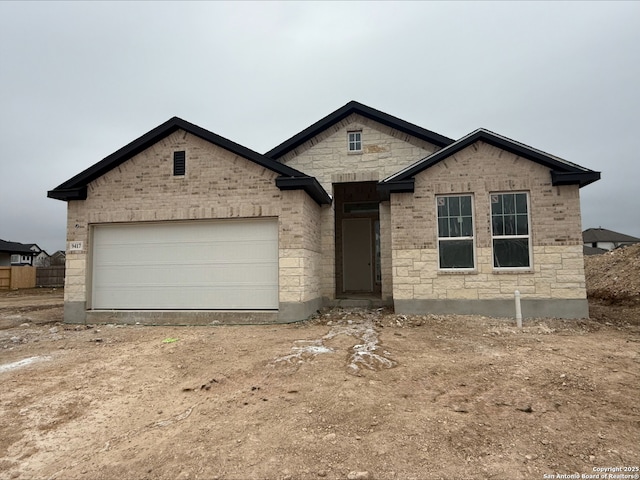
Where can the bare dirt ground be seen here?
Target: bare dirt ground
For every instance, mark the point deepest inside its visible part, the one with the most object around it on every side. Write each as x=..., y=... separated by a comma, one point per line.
x=350, y=394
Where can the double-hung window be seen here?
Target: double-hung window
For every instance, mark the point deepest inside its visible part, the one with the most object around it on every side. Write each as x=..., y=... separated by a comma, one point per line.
x=510, y=230
x=455, y=232
x=354, y=141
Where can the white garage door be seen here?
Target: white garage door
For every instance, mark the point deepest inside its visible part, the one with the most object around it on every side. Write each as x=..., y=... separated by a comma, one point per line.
x=202, y=265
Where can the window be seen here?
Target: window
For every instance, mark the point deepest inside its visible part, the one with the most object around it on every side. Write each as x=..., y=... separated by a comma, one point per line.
x=179, y=163
x=455, y=232
x=15, y=258
x=355, y=141
x=510, y=230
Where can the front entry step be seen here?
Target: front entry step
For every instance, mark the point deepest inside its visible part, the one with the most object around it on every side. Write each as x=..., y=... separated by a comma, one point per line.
x=358, y=303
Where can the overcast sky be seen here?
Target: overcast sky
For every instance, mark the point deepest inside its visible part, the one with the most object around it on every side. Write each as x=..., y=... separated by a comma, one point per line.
x=80, y=80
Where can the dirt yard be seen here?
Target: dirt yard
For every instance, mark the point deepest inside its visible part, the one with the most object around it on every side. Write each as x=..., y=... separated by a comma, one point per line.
x=348, y=395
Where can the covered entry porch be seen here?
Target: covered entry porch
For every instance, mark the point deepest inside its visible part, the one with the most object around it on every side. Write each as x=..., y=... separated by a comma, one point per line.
x=360, y=234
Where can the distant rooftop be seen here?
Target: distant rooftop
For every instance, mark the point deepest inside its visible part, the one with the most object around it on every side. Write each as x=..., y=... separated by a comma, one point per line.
x=15, y=247
x=595, y=235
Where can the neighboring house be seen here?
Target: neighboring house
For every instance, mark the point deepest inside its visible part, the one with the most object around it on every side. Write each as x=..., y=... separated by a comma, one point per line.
x=41, y=259
x=58, y=258
x=14, y=253
x=184, y=226
x=606, y=239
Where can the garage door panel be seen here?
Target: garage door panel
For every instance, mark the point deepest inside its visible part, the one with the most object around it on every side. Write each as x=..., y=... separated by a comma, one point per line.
x=191, y=298
x=186, y=265
x=218, y=275
x=201, y=252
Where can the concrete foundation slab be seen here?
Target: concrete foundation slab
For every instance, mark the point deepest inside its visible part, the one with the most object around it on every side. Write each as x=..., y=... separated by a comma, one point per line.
x=531, y=308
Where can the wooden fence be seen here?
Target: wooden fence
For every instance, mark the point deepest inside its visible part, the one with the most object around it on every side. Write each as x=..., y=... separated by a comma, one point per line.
x=17, y=277
x=50, y=276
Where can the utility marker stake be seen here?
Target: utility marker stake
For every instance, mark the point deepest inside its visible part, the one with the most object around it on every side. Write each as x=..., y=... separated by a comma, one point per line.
x=518, y=309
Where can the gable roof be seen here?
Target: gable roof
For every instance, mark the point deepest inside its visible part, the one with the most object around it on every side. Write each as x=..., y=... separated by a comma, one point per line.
x=595, y=235
x=365, y=111
x=35, y=248
x=16, y=247
x=76, y=187
x=562, y=171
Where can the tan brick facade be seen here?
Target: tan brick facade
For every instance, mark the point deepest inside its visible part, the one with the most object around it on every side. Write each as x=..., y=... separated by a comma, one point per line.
x=217, y=185
x=384, y=152
x=384, y=194
x=326, y=157
x=557, y=270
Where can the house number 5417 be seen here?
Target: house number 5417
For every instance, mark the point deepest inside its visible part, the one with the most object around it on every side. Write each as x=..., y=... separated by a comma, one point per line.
x=76, y=246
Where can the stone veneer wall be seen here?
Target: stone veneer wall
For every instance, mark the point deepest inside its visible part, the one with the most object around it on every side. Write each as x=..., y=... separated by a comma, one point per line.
x=300, y=256
x=386, y=264
x=217, y=185
x=555, y=285
x=384, y=152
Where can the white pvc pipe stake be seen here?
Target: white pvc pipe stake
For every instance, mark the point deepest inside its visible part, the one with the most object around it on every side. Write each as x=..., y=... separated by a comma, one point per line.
x=518, y=309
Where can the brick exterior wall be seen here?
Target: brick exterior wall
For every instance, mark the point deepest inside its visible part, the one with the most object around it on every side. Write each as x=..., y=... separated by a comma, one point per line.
x=386, y=264
x=384, y=152
x=221, y=185
x=300, y=255
x=217, y=185
x=557, y=270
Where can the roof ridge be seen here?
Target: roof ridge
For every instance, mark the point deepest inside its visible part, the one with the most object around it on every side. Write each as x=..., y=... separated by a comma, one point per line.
x=595, y=234
x=560, y=159
x=356, y=107
x=75, y=185
x=563, y=171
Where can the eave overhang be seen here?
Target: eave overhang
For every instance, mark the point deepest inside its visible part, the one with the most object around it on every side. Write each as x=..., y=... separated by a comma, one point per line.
x=401, y=186
x=67, y=194
x=308, y=184
x=573, y=178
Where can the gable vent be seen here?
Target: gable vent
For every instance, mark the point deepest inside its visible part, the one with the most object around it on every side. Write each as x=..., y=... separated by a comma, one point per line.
x=179, y=163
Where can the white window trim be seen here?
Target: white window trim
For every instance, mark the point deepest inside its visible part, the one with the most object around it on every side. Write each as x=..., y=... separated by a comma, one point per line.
x=472, y=238
x=349, y=141
x=512, y=237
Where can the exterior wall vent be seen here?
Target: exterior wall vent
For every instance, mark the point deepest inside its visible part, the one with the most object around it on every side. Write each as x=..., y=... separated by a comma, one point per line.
x=179, y=163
